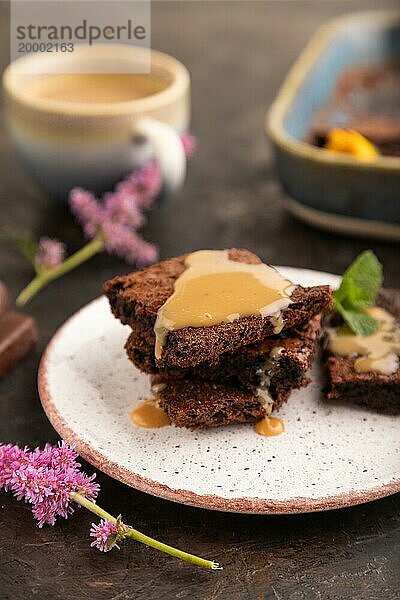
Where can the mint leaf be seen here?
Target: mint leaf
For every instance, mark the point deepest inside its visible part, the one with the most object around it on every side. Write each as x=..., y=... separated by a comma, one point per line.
x=361, y=282
x=359, y=321
x=359, y=287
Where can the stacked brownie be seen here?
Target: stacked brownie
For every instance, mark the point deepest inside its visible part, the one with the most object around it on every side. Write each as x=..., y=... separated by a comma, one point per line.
x=225, y=373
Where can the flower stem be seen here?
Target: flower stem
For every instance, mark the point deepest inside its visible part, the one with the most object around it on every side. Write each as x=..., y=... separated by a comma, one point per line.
x=44, y=277
x=144, y=539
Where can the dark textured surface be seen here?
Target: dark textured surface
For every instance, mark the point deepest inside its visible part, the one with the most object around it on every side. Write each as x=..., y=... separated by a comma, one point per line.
x=238, y=54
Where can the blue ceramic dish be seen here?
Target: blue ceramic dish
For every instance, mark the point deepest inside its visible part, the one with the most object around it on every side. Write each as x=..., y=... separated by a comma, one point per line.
x=327, y=189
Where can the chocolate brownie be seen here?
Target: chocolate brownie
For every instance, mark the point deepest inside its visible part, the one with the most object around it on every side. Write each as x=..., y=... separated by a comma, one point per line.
x=196, y=404
x=292, y=351
x=228, y=393
x=135, y=299
x=375, y=390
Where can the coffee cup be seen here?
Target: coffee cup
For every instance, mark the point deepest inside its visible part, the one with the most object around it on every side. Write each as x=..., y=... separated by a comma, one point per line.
x=91, y=128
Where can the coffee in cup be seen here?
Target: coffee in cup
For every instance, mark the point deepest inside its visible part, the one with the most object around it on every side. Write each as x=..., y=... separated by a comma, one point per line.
x=91, y=129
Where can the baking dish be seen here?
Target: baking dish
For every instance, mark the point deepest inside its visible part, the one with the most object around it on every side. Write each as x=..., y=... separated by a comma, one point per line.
x=336, y=191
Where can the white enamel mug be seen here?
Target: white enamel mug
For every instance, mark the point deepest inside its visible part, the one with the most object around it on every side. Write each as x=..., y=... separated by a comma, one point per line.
x=93, y=145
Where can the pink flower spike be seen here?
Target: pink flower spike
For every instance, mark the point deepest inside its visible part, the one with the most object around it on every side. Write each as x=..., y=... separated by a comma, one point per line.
x=51, y=253
x=11, y=458
x=122, y=207
x=127, y=244
x=144, y=184
x=189, y=143
x=45, y=479
x=87, y=210
x=49, y=480
x=105, y=535
x=119, y=214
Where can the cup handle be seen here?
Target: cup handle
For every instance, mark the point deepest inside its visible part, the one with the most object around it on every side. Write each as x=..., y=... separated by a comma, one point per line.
x=168, y=149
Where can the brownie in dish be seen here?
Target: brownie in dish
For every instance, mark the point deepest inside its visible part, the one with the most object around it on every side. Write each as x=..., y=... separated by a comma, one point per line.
x=366, y=99
x=373, y=389
x=136, y=298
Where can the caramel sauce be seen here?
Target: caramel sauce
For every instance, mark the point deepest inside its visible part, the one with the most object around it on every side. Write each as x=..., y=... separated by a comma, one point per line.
x=269, y=426
x=149, y=415
x=378, y=353
x=264, y=379
x=214, y=289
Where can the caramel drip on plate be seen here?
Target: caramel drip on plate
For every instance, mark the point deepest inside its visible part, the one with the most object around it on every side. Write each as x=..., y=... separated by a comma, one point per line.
x=214, y=289
x=269, y=426
x=378, y=353
x=149, y=415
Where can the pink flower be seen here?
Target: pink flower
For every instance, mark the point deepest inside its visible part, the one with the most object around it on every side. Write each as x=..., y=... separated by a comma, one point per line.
x=87, y=211
x=127, y=244
x=117, y=217
x=189, y=143
x=11, y=457
x=144, y=184
x=45, y=479
x=119, y=214
x=123, y=208
x=105, y=535
x=49, y=479
x=51, y=253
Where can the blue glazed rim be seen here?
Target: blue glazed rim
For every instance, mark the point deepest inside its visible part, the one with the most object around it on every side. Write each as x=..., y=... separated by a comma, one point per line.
x=275, y=117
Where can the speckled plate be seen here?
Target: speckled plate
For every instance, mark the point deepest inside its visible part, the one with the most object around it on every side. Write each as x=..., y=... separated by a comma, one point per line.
x=330, y=455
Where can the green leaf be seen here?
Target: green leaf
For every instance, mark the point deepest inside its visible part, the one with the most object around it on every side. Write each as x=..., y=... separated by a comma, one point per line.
x=25, y=245
x=112, y=539
x=359, y=321
x=359, y=287
x=119, y=525
x=361, y=282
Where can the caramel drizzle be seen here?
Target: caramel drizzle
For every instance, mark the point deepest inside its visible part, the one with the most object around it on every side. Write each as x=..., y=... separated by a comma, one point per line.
x=214, y=289
x=378, y=353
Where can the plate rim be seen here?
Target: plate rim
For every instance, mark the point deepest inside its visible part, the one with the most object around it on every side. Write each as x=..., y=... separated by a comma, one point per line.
x=247, y=505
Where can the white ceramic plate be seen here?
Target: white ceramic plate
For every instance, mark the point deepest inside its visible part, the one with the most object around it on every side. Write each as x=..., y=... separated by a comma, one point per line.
x=330, y=455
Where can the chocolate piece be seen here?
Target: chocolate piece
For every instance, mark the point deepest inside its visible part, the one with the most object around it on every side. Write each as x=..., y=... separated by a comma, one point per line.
x=135, y=299
x=4, y=299
x=18, y=334
x=375, y=390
